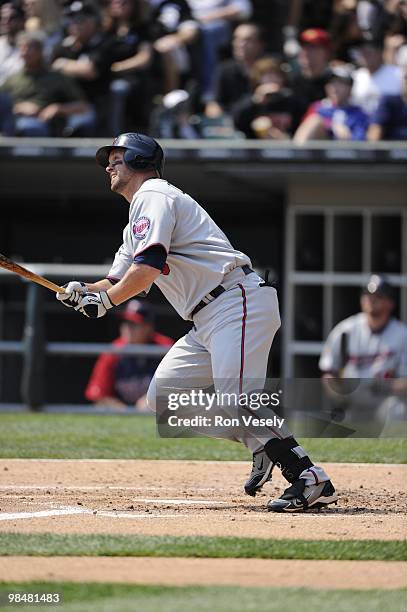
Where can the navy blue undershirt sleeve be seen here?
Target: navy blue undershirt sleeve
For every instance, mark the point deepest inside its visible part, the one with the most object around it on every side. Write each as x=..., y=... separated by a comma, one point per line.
x=155, y=256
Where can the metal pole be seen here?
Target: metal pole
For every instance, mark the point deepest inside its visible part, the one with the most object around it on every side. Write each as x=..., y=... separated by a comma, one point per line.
x=32, y=380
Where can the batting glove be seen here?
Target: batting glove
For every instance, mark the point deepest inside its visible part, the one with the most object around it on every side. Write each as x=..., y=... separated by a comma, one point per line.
x=73, y=291
x=94, y=305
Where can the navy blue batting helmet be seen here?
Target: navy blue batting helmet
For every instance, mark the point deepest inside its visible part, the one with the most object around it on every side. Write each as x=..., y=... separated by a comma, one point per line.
x=141, y=152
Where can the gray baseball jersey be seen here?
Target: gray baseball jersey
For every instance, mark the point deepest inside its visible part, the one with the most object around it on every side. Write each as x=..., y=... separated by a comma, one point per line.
x=228, y=345
x=198, y=252
x=369, y=355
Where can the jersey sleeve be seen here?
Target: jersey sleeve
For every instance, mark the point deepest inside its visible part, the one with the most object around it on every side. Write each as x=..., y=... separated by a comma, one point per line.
x=152, y=222
x=122, y=259
x=154, y=256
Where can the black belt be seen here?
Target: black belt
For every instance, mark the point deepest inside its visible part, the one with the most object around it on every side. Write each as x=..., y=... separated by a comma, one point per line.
x=216, y=293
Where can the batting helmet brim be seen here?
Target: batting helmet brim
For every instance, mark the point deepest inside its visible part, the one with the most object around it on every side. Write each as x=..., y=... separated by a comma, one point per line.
x=102, y=155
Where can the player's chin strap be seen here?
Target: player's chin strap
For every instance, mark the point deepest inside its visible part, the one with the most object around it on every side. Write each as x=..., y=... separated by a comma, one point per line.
x=268, y=283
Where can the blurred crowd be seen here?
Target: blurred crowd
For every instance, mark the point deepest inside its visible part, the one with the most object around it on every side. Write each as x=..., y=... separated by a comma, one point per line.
x=281, y=69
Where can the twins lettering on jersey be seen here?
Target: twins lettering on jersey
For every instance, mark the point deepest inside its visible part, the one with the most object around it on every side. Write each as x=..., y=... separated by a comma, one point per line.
x=141, y=227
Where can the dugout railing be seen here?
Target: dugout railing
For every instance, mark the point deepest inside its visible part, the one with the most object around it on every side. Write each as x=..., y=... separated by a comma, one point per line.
x=34, y=347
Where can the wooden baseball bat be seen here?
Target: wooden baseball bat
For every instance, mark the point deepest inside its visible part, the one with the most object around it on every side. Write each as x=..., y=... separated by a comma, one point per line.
x=11, y=265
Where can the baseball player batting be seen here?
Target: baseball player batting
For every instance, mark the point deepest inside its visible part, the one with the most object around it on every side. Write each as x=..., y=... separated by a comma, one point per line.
x=171, y=241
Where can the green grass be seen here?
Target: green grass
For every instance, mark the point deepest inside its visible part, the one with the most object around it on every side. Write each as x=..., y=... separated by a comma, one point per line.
x=126, y=598
x=199, y=546
x=68, y=436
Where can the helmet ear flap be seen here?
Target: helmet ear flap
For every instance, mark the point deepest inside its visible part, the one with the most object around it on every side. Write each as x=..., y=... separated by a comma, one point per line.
x=134, y=160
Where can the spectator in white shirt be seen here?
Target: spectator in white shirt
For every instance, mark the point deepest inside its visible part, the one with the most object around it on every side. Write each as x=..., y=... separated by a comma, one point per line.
x=11, y=23
x=374, y=78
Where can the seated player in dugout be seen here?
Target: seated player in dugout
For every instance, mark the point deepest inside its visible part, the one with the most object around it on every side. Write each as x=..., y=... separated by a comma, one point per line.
x=371, y=345
x=122, y=380
x=171, y=241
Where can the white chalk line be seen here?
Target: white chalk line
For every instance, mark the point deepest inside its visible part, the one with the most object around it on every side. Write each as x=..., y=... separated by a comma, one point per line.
x=11, y=516
x=68, y=511
x=65, y=511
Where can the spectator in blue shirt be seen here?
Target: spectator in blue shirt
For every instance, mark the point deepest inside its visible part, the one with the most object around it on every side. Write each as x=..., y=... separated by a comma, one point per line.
x=389, y=121
x=334, y=117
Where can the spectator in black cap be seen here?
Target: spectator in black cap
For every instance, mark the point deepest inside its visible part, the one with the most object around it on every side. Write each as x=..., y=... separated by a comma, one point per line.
x=120, y=380
x=86, y=54
x=334, y=117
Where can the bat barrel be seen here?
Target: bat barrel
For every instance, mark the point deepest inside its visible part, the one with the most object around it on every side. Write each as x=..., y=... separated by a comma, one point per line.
x=16, y=268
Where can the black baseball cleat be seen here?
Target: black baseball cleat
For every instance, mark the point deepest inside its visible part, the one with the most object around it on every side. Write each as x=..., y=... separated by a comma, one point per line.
x=260, y=474
x=299, y=497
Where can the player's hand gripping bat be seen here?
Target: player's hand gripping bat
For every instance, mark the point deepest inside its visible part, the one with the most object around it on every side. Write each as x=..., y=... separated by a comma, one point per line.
x=11, y=265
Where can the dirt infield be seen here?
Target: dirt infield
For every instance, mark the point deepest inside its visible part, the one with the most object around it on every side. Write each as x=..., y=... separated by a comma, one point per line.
x=225, y=572
x=196, y=498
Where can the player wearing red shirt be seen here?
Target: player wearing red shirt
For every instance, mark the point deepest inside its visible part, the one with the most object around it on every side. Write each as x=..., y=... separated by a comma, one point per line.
x=120, y=380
